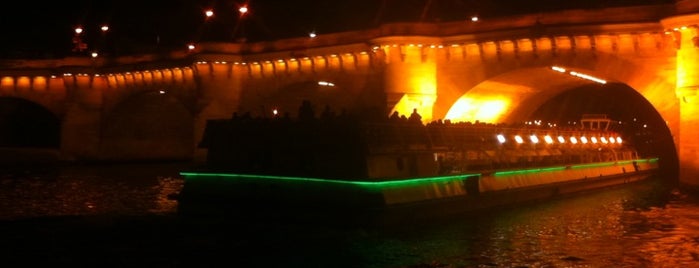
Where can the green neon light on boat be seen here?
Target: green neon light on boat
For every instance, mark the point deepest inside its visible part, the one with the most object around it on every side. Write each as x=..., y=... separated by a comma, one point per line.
x=403, y=182
x=548, y=169
x=524, y=171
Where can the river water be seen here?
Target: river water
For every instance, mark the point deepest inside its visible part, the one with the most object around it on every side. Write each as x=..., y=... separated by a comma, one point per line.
x=121, y=216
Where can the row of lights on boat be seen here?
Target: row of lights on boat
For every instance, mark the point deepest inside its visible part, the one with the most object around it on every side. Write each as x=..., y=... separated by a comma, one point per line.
x=561, y=140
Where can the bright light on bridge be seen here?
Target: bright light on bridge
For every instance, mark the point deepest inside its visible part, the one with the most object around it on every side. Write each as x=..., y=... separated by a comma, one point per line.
x=588, y=77
x=326, y=84
x=579, y=75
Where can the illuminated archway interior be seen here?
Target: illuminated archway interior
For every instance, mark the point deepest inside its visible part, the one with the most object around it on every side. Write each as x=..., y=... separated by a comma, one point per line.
x=561, y=97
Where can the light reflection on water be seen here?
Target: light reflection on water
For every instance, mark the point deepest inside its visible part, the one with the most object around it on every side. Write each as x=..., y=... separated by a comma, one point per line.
x=632, y=226
x=90, y=190
x=637, y=226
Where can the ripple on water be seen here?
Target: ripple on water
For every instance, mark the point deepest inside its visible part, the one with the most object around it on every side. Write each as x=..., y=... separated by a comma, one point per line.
x=635, y=226
x=135, y=190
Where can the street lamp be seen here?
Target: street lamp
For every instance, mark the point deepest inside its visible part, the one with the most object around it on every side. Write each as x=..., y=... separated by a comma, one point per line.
x=240, y=27
x=243, y=10
x=79, y=44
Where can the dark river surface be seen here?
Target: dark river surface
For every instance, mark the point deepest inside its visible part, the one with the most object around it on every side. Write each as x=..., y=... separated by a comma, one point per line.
x=121, y=216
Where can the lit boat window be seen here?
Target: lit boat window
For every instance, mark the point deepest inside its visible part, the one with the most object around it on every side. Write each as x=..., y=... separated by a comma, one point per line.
x=548, y=139
x=501, y=138
x=561, y=139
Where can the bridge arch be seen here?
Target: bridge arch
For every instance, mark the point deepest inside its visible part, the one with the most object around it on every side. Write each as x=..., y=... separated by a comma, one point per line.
x=27, y=124
x=560, y=96
x=148, y=125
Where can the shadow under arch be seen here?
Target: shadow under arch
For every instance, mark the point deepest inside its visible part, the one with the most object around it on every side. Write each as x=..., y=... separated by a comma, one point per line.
x=25, y=124
x=149, y=125
x=635, y=118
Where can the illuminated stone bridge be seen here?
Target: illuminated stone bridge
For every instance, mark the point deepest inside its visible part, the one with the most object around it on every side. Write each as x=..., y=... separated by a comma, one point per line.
x=499, y=70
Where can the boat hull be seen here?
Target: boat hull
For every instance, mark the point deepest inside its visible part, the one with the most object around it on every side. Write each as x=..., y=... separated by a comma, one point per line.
x=396, y=200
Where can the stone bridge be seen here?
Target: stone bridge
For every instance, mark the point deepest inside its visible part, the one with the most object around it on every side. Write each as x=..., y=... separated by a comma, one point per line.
x=155, y=107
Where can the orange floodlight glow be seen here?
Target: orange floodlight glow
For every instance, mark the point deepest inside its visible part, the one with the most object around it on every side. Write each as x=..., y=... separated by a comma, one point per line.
x=470, y=110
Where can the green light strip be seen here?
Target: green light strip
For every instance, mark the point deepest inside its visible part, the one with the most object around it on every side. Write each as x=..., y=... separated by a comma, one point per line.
x=405, y=182
x=523, y=171
x=359, y=183
x=603, y=164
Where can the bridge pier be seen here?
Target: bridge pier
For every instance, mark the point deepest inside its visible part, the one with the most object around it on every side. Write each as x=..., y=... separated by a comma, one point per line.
x=411, y=77
x=685, y=31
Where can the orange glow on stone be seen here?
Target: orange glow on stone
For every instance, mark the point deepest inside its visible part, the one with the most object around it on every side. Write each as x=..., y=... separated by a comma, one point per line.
x=470, y=110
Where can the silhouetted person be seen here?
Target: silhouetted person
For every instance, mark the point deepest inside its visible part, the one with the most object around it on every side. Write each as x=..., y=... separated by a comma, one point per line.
x=395, y=117
x=415, y=117
x=306, y=111
x=327, y=113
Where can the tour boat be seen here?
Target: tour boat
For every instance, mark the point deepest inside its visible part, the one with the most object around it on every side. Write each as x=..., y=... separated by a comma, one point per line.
x=346, y=166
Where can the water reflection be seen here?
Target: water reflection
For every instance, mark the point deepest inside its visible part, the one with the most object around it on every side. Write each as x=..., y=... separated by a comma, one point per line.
x=630, y=227
x=89, y=190
x=643, y=225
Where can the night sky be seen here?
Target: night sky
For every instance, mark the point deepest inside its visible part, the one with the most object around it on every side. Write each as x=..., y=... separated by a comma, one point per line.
x=45, y=30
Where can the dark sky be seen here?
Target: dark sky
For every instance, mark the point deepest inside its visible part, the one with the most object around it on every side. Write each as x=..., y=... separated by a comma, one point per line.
x=44, y=30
